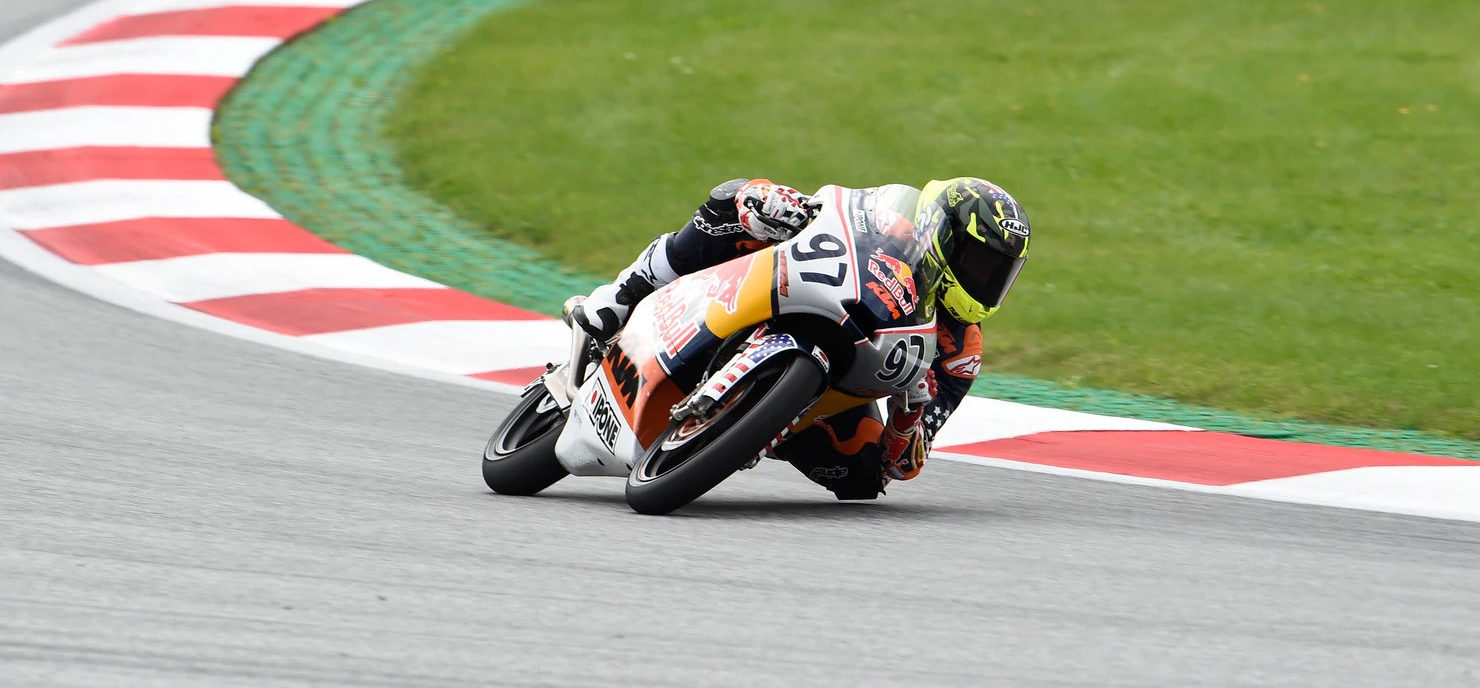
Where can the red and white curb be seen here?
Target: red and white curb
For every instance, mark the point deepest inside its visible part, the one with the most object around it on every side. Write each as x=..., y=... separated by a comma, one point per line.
x=108, y=184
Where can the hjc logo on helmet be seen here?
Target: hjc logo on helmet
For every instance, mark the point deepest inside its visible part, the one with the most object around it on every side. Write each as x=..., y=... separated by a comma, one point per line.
x=1015, y=226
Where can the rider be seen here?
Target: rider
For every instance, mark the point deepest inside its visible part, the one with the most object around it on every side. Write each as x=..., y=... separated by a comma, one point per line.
x=980, y=246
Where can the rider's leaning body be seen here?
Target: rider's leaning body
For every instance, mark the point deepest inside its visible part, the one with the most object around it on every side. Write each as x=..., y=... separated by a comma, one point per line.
x=980, y=243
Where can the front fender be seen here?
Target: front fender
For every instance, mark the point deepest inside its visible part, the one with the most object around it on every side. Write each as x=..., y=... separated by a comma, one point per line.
x=759, y=349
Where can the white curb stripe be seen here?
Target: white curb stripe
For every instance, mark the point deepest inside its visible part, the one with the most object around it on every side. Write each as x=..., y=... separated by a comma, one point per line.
x=87, y=280
x=456, y=346
x=980, y=420
x=78, y=203
x=219, y=275
x=1447, y=492
x=149, y=127
x=184, y=55
x=1436, y=491
x=152, y=6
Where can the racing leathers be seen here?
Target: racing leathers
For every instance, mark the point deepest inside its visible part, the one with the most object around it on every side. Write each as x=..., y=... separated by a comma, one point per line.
x=854, y=453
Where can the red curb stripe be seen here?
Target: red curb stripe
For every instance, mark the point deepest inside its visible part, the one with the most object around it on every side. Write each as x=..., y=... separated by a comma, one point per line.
x=512, y=376
x=155, y=238
x=67, y=165
x=246, y=20
x=318, y=311
x=1202, y=458
x=126, y=90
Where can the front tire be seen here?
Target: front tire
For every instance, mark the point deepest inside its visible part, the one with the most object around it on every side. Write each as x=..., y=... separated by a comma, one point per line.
x=677, y=470
x=519, y=458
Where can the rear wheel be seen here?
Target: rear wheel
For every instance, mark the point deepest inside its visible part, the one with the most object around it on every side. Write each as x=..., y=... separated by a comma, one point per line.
x=520, y=456
x=692, y=457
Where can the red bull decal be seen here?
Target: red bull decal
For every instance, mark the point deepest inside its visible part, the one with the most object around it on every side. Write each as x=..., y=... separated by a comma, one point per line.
x=724, y=284
x=889, y=300
x=675, y=328
x=896, y=276
x=679, y=310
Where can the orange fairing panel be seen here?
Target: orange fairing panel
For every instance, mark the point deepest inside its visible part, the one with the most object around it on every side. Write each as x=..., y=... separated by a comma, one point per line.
x=643, y=392
x=654, y=403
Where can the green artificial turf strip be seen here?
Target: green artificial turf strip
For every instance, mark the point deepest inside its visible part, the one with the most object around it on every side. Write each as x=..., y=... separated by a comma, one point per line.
x=1262, y=207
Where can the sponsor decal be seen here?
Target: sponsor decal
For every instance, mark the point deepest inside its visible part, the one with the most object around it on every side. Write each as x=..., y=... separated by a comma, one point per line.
x=624, y=377
x=885, y=298
x=951, y=347
x=679, y=309
x=965, y=366
x=1017, y=227
x=604, y=419
x=828, y=473
x=718, y=229
x=724, y=284
x=783, y=280
x=944, y=340
x=675, y=329
x=821, y=357
x=896, y=276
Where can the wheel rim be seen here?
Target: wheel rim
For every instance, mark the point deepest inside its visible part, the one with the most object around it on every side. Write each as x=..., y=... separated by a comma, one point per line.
x=677, y=444
x=527, y=425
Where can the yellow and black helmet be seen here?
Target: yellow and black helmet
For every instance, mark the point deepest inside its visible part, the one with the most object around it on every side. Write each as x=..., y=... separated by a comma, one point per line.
x=979, y=243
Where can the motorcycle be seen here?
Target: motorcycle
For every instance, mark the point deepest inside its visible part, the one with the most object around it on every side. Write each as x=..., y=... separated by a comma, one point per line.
x=716, y=370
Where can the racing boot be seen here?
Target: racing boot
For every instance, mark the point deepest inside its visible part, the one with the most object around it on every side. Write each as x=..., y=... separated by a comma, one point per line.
x=841, y=453
x=605, y=311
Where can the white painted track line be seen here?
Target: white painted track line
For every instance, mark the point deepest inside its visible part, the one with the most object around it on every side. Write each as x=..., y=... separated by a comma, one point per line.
x=1451, y=492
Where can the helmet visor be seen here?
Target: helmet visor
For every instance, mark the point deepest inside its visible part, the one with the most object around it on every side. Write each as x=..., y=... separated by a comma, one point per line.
x=985, y=273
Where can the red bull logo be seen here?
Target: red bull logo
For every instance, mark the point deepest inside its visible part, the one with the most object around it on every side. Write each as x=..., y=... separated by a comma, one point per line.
x=896, y=276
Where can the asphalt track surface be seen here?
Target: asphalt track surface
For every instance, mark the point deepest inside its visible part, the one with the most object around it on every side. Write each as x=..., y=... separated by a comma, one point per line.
x=182, y=508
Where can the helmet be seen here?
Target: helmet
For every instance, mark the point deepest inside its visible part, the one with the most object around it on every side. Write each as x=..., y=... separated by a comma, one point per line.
x=978, y=238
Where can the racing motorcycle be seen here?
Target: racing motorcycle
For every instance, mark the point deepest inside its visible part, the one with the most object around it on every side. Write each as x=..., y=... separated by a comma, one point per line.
x=717, y=369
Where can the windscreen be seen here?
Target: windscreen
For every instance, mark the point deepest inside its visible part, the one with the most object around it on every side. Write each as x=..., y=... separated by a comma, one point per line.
x=892, y=212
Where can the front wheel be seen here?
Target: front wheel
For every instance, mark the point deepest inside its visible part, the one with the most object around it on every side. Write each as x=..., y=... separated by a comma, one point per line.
x=692, y=457
x=520, y=456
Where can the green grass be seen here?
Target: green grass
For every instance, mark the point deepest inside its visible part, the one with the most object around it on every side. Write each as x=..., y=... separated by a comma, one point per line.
x=1271, y=208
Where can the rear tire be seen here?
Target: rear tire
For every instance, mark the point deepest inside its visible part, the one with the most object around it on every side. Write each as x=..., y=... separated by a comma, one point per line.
x=752, y=414
x=520, y=456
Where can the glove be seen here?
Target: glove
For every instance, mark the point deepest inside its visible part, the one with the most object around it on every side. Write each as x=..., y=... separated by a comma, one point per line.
x=772, y=212
x=904, y=434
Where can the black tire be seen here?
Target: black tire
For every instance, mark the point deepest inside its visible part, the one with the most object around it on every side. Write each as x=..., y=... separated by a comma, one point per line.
x=752, y=414
x=520, y=456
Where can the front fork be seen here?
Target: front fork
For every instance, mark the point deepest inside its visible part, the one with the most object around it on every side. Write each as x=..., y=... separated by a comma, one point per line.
x=760, y=346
